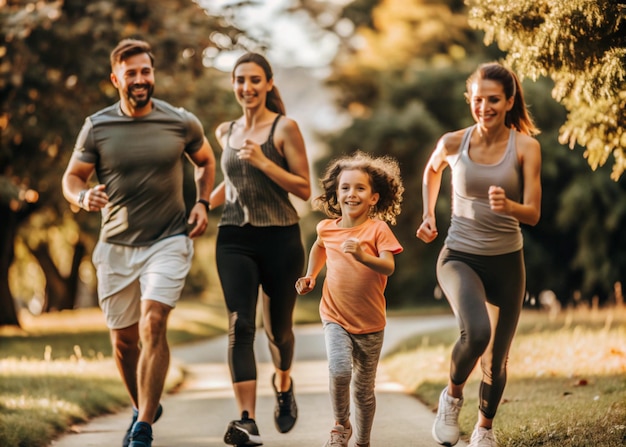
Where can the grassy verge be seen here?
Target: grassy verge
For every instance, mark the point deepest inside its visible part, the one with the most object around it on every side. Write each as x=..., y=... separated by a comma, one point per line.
x=566, y=379
x=58, y=371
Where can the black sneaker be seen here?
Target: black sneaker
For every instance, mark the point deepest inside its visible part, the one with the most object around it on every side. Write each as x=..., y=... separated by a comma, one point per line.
x=286, y=410
x=126, y=441
x=242, y=432
x=141, y=435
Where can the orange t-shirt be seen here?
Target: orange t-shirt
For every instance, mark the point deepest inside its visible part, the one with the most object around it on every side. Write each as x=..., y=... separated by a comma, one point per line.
x=353, y=294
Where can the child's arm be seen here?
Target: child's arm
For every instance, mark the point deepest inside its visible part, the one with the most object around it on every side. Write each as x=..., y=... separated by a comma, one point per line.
x=383, y=263
x=317, y=260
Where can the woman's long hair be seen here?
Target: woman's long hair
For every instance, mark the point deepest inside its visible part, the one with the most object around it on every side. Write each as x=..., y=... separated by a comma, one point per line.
x=273, y=101
x=518, y=117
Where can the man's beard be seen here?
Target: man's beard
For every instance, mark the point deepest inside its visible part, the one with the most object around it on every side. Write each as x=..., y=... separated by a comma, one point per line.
x=139, y=103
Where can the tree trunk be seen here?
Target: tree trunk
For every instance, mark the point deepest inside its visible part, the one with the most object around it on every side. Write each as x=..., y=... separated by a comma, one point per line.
x=60, y=291
x=8, y=229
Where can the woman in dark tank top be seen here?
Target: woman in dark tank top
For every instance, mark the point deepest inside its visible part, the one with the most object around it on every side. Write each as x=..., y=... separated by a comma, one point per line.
x=258, y=241
x=495, y=168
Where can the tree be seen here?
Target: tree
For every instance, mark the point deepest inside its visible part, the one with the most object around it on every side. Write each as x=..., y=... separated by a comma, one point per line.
x=54, y=71
x=401, y=79
x=581, y=45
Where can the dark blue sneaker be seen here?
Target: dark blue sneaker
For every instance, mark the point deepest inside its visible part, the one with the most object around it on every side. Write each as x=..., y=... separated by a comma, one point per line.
x=126, y=441
x=286, y=410
x=141, y=435
x=243, y=432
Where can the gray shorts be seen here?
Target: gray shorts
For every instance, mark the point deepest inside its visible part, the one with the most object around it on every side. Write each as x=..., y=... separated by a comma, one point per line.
x=127, y=275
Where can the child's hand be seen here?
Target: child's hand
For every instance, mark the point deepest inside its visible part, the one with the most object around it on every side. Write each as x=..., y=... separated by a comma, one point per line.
x=353, y=246
x=305, y=284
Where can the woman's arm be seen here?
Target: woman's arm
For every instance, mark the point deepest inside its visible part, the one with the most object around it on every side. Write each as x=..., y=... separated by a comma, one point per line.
x=529, y=211
x=289, y=141
x=431, y=184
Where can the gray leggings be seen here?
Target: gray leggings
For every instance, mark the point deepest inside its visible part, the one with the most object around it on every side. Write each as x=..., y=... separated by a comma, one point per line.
x=486, y=294
x=353, y=358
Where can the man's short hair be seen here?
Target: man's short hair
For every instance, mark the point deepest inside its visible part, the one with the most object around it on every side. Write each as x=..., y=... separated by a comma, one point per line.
x=128, y=48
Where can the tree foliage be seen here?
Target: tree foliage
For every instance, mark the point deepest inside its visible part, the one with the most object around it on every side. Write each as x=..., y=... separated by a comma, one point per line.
x=54, y=71
x=401, y=80
x=581, y=45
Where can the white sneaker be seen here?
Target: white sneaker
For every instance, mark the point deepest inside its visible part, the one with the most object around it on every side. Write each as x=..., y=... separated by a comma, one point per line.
x=446, y=426
x=339, y=436
x=483, y=437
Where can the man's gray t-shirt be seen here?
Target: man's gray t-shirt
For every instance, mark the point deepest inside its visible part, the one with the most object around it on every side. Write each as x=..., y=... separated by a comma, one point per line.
x=140, y=160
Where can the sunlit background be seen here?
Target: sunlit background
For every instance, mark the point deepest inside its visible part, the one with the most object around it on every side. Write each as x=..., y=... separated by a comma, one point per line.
x=383, y=76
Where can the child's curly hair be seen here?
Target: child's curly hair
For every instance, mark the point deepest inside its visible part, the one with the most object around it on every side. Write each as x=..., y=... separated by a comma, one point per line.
x=384, y=174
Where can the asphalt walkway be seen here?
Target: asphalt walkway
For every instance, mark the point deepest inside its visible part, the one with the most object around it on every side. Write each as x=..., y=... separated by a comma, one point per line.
x=197, y=414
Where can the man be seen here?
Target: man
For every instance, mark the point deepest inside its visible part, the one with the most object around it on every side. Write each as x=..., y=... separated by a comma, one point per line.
x=143, y=255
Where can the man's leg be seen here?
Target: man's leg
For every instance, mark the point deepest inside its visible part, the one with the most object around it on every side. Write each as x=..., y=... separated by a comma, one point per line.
x=125, y=344
x=154, y=358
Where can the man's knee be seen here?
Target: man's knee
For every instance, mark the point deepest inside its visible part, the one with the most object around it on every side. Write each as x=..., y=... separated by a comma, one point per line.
x=125, y=341
x=153, y=321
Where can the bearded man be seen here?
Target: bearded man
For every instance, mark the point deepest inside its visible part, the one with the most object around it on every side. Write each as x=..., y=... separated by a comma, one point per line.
x=136, y=147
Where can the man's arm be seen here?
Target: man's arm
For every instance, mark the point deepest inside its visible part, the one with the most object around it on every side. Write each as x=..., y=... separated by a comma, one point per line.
x=75, y=190
x=204, y=175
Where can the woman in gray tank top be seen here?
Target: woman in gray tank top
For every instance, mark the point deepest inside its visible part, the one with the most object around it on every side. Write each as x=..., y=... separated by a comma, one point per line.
x=496, y=186
x=258, y=241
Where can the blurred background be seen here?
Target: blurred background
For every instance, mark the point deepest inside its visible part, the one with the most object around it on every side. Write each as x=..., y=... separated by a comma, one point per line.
x=382, y=76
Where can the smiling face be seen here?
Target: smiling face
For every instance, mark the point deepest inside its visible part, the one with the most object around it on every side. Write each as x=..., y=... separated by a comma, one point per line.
x=250, y=85
x=355, y=196
x=489, y=103
x=134, y=79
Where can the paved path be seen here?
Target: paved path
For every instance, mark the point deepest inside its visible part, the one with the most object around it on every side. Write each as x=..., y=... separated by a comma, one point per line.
x=198, y=413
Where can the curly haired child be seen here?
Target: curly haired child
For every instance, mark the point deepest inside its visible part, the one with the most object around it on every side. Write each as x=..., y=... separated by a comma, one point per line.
x=362, y=195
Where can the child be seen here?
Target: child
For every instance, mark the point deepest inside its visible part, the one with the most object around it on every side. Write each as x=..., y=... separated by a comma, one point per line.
x=357, y=246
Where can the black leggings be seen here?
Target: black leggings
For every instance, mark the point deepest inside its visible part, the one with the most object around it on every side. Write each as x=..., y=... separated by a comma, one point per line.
x=486, y=294
x=248, y=257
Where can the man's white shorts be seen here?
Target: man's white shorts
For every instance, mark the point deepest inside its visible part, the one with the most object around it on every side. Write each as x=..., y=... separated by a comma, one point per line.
x=127, y=275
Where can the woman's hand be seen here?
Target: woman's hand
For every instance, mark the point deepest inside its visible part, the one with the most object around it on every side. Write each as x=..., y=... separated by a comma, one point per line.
x=427, y=231
x=498, y=201
x=252, y=153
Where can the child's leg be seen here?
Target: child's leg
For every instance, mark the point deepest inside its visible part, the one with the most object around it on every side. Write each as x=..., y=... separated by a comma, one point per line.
x=366, y=354
x=339, y=352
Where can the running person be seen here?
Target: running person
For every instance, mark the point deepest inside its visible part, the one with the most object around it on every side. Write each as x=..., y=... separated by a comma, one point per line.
x=361, y=194
x=258, y=242
x=137, y=148
x=496, y=186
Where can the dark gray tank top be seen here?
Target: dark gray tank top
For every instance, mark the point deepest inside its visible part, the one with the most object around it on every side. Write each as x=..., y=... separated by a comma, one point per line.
x=251, y=196
x=474, y=228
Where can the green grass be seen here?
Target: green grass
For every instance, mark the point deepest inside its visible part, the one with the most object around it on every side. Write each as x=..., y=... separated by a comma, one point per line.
x=40, y=399
x=566, y=387
x=58, y=370
x=566, y=380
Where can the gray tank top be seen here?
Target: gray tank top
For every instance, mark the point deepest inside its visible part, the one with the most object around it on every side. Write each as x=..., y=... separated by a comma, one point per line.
x=251, y=196
x=474, y=228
